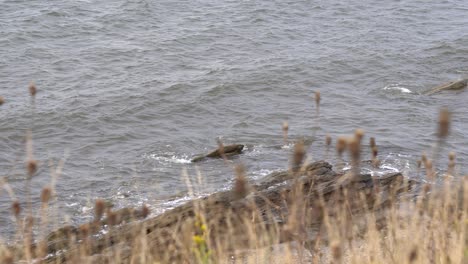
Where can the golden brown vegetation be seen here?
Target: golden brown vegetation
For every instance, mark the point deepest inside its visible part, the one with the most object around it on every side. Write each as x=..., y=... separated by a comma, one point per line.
x=311, y=220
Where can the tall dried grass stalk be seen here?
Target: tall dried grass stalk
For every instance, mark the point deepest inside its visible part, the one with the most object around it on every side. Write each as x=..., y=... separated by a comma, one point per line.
x=221, y=149
x=443, y=131
x=241, y=188
x=451, y=164
x=285, y=132
x=354, y=146
x=328, y=142
x=317, y=101
x=298, y=156
x=444, y=123
x=374, y=153
x=341, y=146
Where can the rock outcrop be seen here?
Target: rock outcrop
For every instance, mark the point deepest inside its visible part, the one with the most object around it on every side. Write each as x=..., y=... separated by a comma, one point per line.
x=283, y=206
x=221, y=152
x=456, y=85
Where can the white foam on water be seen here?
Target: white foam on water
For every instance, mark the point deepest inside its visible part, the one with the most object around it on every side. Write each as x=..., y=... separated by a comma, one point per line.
x=288, y=146
x=170, y=159
x=397, y=87
x=167, y=205
x=391, y=163
x=261, y=173
x=86, y=209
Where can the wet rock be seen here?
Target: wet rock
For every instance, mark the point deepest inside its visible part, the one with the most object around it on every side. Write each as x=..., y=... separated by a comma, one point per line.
x=456, y=85
x=227, y=151
x=268, y=208
x=68, y=235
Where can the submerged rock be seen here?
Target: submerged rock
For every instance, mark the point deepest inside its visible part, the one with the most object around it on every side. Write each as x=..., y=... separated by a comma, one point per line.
x=228, y=150
x=456, y=85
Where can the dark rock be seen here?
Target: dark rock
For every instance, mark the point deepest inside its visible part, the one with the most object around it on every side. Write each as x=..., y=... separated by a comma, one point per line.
x=64, y=237
x=269, y=208
x=456, y=85
x=227, y=151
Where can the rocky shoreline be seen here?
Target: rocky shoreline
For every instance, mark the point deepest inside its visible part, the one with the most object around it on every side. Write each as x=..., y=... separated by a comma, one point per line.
x=284, y=206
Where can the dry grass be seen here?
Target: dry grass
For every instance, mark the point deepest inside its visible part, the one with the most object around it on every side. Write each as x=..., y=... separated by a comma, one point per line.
x=425, y=225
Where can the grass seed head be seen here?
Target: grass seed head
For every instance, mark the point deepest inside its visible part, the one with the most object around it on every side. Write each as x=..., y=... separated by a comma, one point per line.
x=359, y=134
x=111, y=218
x=285, y=132
x=32, y=89
x=444, y=123
x=84, y=230
x=341, y=145
x=429, y=171
x=426, y=188
x=99, y=208
x=429, y=165
x=31, y=167
x=46, y=194
x=452, y=156
x=328, y=140
x=16, y=208
x=145, y=211
x=298, y=156
x=451, y=164
x=336, y=250
x=7, y=257
x=317, y=98
x=413, y=255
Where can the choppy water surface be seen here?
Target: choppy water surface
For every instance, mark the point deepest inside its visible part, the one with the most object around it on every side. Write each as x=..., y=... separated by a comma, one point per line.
x=130, y=90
